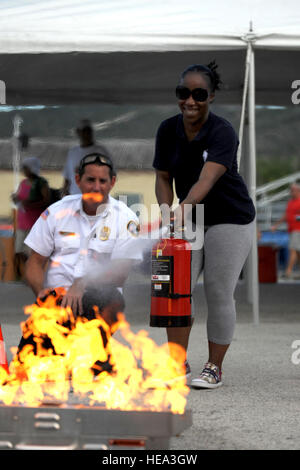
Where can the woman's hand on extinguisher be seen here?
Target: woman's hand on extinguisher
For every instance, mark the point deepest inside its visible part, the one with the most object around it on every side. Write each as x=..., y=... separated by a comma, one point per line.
x=177, y=217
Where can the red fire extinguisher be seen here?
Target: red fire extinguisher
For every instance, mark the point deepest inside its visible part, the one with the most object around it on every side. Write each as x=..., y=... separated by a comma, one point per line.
x=171, y=295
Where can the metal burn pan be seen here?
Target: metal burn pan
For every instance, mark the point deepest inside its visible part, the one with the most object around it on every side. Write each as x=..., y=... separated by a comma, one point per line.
x=87, y=428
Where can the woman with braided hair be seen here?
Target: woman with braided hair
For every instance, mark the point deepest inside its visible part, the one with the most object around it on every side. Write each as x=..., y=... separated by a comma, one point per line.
x=197, y=150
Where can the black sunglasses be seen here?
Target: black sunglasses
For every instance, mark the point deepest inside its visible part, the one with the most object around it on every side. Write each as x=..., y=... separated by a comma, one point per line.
x=198, y=94
x=95, y=158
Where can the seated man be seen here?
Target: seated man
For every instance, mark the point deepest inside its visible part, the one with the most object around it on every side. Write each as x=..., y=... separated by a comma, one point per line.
x=82, y=240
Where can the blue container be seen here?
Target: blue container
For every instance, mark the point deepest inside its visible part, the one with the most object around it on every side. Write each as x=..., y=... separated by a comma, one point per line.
x=279, y=239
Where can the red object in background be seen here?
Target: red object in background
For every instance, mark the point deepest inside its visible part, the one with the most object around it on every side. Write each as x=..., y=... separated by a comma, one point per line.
x=3, y=358
x=267, y=264
x=292, y=214
x=171, y=283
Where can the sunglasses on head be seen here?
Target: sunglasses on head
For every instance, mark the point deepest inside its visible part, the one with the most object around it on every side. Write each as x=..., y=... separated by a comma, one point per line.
x=198, y=94
x=95, y=158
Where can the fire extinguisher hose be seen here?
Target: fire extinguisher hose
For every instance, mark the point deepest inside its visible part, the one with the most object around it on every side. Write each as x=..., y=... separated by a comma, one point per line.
x=178, y=296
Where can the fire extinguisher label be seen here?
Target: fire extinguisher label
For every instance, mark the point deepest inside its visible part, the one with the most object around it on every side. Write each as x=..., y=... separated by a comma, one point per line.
x=162, y=277
x=162, y=269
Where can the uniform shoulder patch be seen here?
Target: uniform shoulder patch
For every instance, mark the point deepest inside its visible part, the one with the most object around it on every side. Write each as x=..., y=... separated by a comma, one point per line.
x=45, y=214
x=133, y=228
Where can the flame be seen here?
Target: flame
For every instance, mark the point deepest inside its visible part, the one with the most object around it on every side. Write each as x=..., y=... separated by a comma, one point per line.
x=83, y=356
x=95, y=197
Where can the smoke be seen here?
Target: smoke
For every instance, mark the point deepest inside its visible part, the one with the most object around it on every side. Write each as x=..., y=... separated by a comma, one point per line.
x=113, y=270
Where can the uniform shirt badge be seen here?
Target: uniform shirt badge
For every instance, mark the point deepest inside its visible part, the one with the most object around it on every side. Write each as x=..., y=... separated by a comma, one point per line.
x=104, y=233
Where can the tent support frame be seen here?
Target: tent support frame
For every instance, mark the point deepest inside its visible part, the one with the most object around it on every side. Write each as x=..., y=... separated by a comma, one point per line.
x=251, y=266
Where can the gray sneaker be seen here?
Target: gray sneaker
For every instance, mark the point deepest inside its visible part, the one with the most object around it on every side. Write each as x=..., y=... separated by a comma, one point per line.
x=210, y=377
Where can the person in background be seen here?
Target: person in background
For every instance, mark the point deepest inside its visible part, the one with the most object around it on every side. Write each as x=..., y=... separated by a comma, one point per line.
x=31, y=198
x=86, y=146
x=292, y=219
x=197, y=150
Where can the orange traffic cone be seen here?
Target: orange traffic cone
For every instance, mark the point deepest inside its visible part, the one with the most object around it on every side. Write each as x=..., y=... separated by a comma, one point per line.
x=3, y=358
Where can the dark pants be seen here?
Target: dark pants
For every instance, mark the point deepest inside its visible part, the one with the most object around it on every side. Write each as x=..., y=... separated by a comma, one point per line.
x=108, y=302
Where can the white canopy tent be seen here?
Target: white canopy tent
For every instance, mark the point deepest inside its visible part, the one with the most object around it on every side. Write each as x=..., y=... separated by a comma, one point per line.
x=67, y=50
x=132, y=51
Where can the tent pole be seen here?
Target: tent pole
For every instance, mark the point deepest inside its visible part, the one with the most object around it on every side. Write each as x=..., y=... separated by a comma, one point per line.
x=243, y=110
x=17, y=122
x=253, y=284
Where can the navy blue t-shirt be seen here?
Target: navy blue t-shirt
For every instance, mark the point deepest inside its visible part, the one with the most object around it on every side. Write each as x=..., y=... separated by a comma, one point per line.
x=228, y=201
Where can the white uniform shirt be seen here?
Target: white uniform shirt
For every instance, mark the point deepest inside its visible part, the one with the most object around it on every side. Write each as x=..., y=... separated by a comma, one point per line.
x=63, y=233
x=74, y=156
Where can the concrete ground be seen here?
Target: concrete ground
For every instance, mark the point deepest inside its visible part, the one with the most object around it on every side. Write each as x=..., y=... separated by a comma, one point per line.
x=258, y=407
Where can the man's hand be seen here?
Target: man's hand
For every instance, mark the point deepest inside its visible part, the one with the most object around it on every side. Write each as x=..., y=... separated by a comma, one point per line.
x=73, y=297
x=43, y=293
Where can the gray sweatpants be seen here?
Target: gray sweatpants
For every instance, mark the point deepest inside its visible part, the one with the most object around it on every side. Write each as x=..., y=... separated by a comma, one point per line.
x=226, y=247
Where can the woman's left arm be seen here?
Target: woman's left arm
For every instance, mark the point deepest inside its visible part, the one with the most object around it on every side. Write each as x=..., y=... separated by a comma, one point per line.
x=209, y=175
